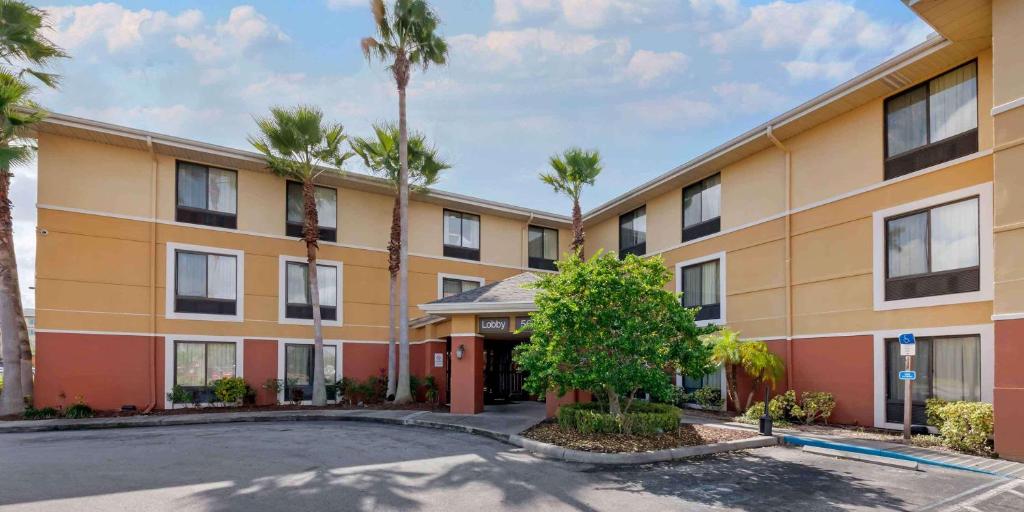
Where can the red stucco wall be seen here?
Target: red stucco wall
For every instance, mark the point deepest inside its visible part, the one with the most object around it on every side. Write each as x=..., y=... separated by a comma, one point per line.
x=260, y=364
x=1008, y=396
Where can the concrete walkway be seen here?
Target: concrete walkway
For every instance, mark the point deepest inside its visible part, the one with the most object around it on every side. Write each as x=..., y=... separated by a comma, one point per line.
x=1000, y=467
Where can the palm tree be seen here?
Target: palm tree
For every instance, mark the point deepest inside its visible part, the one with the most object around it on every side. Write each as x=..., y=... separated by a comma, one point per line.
x=753, y=357
x=23, y=51
x=299, y=145
x=405, y=37
x=574, y=168
x=380, y=154
x=17, y=114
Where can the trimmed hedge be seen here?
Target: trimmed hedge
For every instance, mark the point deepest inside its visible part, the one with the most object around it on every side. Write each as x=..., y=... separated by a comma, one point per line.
x=964, y=426
x=642, y=419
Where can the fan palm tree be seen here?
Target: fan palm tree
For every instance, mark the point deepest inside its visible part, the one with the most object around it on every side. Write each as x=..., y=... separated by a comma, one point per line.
x=405, y=38
x=24, y=50
x=299, y=145
x=380, y=155
x=572, y=169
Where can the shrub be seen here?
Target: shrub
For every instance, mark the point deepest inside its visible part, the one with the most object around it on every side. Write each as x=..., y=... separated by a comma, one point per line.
x=31, y=413
x=79, y=410
x=641, y=419
x=273, y=386
x=432, y=390
x=816, y=405
x=178, y=395
x=780, y=409
x=708, y=398
x=965, y=426
x=229, y=390
x=415, y=383
x=932, y=410
x=298, y=395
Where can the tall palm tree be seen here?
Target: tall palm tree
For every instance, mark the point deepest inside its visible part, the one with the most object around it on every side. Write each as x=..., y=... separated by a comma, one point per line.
x=405, y=37
x=380, y=154
x=299, y=145
x=17, y=114
x=572, y=169
x=24, y=50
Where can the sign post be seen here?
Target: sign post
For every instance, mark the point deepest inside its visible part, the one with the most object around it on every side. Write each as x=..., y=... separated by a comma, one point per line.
x=908, y=348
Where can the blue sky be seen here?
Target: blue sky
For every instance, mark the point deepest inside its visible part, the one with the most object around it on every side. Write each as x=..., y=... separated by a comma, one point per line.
x=650, y=83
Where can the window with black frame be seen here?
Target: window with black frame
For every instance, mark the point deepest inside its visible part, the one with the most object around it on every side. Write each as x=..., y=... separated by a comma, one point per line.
x=461, y=235
x=452, y=286
x=297, y=298
x=326, y=210
x=198, y=364
x=934, y=251
x=543, y=247
x=633, y=233
x=298, y=364
x=701, y=208
x=948, y=368
x=205, y=283
x=933, y=122
x=701, y=289
x=206, y=195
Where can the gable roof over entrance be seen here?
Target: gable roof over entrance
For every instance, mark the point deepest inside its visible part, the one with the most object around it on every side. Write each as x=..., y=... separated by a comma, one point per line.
x=507, y=296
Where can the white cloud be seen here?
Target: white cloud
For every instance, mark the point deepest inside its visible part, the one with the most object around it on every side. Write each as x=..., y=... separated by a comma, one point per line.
x=833, y=70
x=746, y=98
x=512, y=11
x=176, y=118
x=584, y=14
x=727, y=8
x=118, y=27
x=498, y=49
x=244, y=28
x=337, y=5
x=647, y=66
x=677, y=111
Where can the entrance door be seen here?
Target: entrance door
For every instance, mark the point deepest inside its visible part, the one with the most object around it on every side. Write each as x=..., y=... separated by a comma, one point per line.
x=502, y=379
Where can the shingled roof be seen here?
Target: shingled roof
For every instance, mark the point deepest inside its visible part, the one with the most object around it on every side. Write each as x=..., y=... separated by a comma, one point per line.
x=510, y=294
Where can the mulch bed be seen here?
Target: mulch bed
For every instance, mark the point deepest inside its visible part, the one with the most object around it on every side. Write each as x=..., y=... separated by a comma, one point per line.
x=686, y=435
x=213, y=409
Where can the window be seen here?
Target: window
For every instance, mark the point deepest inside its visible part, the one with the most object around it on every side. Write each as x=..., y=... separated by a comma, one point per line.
x=326, y=210
x=712, y=380
x=297, y=298
x=197, y=365
x=701, y=287
x=543, y=247
x=633, y=233
x=205, y=283
x=206, y=195
x=934, y=122
x=935, y=251
x=701, y=207
x=298, y=366
x=461, y=235
x=948, y=368
x=454, y=286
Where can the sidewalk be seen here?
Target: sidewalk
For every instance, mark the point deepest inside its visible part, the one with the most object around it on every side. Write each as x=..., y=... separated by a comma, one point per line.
x=1000, y=467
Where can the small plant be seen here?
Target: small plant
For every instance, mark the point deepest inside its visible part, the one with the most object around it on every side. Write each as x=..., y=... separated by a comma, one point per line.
x=197, y=396
x=414, y=387
x=274, y=387
x=965, y=426
x=708, y=398
x=298, y=395
x=815, y=405
x=432, y=391
x=178, y=395
x=79, y=409
x=229, y=390
x=932, y=410
x=31, y=413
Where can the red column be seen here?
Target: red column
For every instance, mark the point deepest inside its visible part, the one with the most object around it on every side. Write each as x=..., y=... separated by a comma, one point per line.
x=467, y=375
x=1008, y=396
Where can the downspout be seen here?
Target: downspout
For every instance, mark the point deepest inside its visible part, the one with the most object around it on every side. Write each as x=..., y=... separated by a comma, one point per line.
x=152, y=277
x=788, y=270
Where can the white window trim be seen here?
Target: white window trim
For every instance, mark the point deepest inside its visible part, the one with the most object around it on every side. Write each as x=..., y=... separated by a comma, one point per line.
x=299, y=341
x=282, y=291
x=985, y=331
x=985, y=257
x=169, y=370
x=720, y=256
x=170, y=283
x=441, y=277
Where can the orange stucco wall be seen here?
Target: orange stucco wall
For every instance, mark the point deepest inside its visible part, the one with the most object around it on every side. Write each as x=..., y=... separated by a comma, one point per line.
x=843, y=366
x=1008, y=394
x=468, y=376
x=260, y=358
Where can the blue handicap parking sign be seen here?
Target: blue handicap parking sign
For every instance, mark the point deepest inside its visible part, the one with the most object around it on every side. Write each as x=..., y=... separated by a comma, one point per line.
x=908, y=375
x=907, y=339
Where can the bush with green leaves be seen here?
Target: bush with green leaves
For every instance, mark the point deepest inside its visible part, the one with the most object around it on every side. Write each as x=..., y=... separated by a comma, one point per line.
x=964, y=426
x=609, y=325
x=432, y=391
x=79, y=410
x=31, y=413
x=933, y=411
x=708, y=398
x=178, y=395
x=229, y=390
x=640, y=419
x=815, y=405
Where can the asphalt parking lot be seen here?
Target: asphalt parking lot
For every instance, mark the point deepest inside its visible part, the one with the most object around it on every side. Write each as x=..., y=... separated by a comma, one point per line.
x=356, y=466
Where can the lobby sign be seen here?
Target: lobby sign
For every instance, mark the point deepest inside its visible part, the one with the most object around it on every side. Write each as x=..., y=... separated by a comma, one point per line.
x=494, y=324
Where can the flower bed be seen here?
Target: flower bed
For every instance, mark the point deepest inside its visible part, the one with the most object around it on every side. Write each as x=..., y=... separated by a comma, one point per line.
x=684, y=435
x=418, y=406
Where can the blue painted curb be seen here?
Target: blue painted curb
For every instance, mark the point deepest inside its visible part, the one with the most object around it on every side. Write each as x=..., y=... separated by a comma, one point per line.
x=804, y=441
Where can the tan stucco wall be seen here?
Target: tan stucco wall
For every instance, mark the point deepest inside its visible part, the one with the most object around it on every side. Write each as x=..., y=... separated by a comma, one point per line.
x=753, y=188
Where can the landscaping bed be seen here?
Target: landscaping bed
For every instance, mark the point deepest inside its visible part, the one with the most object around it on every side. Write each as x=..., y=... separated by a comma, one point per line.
x=214, y=409
x=686, y=435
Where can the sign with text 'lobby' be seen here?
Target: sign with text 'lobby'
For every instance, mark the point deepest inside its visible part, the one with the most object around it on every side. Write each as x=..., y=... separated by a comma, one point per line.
x=494, y=324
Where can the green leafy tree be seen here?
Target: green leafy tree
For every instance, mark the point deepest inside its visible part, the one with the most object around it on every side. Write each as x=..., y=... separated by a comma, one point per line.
x=406, y=37
x=298, y=144
x=24, y=50
x=753, y=357
x=610, y=326
x=573, y=169
x=380, y=155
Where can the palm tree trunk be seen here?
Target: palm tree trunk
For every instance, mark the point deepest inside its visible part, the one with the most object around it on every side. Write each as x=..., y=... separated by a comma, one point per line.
x=577, y=229
x=12, y=399
x=403, y=394
x=394, y=246
x=27, y=386
x=311, y=234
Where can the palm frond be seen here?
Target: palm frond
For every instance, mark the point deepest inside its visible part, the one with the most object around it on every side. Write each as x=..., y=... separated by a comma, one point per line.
x=297, y=143
x=380, y=155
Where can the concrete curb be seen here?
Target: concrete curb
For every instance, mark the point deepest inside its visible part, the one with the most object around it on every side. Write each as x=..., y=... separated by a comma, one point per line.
x=864, y=457
x=684, y=452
